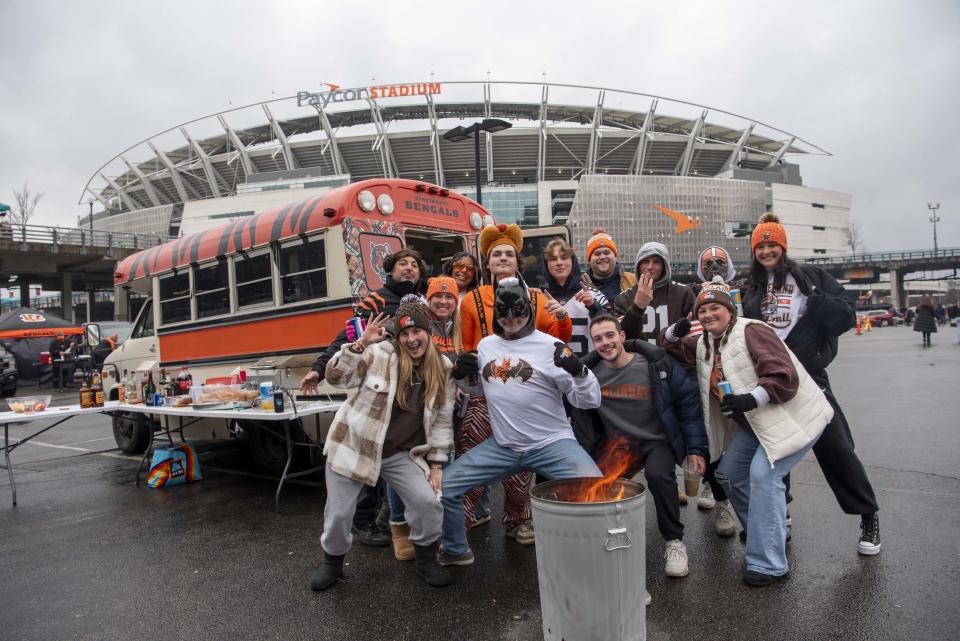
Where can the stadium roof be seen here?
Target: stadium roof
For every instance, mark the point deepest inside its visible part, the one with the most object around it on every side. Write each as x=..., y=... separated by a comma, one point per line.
x=559, y=133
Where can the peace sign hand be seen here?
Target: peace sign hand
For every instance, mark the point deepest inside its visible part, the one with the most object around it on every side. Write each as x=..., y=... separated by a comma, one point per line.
x=376, y=330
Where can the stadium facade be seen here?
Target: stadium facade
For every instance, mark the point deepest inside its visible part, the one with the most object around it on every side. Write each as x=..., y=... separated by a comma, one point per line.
x=643, y=167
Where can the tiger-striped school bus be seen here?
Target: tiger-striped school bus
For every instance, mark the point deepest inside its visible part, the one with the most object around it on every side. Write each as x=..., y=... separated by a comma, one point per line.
x=276, y=284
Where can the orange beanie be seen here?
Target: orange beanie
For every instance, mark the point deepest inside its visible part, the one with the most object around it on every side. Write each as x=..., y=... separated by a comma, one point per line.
x=600, y=239
x=442, y=284
x=501, y=234
x=768, y=231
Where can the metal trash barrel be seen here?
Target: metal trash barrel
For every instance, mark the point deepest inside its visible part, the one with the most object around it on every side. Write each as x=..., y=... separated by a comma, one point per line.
x=591, y=561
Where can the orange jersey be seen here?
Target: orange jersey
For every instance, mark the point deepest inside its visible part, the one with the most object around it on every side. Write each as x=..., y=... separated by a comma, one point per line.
x=470, y=317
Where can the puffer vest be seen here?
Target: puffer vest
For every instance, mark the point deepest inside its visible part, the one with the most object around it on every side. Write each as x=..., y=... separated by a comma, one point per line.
x=781, y=428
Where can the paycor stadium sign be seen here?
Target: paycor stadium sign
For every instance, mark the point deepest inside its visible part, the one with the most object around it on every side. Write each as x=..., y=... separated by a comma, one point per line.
x=336, y=94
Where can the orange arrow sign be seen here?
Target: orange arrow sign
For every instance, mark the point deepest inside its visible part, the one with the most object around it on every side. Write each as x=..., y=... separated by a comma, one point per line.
x=684, y=222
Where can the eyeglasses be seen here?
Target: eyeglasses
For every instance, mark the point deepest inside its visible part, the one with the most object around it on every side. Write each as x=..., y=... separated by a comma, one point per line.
x=465, y=266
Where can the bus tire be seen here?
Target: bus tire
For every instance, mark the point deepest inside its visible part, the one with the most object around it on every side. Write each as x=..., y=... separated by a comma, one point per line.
x=268, y=448
x=130, y=432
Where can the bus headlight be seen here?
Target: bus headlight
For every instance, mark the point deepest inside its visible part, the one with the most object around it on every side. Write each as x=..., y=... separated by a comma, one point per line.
x=385, y=204
x=488, y=220
x=476, y=220
x=366, y=201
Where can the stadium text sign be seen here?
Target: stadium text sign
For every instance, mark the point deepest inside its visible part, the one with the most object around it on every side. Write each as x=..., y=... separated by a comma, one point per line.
x=336, y=94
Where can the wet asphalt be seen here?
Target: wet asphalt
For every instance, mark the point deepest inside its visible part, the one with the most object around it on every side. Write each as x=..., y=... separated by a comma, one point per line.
x=88, y=555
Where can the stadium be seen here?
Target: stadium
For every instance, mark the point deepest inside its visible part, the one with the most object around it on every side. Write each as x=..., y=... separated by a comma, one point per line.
x=644, y=167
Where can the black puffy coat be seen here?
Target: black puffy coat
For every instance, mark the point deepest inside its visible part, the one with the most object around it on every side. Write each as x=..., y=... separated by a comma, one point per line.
x=829, y=314
x=926, y=319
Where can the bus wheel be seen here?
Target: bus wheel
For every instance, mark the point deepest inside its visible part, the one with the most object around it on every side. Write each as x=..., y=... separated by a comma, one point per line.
x=268, y=447
x=130, y=432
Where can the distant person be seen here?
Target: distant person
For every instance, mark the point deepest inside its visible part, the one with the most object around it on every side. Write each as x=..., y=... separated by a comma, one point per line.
x=605, y=273
x=809, y=310
x=941, y=313
x=64, y=363
x=926, y=322
x=104, y=348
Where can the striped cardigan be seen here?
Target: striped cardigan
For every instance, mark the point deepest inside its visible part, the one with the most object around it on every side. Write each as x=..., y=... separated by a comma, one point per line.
x=354, y=445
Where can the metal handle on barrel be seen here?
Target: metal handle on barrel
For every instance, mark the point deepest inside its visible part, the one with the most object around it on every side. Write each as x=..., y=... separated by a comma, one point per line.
x=617, y=537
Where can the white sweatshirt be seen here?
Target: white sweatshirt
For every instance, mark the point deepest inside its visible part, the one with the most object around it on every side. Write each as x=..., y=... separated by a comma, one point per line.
x=524, y=391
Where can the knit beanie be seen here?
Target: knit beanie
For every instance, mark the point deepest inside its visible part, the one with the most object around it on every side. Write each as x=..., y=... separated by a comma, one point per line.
x=440, y=285
x=501, y=234
x=600, y=239
x=768, y=231
x=716, y=291
x=411, y=315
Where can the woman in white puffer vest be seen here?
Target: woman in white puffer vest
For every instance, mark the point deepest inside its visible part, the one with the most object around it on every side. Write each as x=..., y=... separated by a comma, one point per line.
x=768, y=422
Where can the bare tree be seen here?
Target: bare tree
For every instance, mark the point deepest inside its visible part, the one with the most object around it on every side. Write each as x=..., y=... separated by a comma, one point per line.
x=855, y=238
x=26, y=202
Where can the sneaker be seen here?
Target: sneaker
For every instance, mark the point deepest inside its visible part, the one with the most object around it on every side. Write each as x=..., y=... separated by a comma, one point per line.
x=481, y=519
x=372, y=535
x=759, y=579
x=523, y=533
x=675, y=552
x=682, y=495
x=706, y=501
x=869, y=543
x=455, y=559
x=383, y=517
x=726, y=524
x=647, y=599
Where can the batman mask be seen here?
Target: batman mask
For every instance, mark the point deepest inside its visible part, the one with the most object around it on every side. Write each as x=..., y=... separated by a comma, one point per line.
x=511, y=299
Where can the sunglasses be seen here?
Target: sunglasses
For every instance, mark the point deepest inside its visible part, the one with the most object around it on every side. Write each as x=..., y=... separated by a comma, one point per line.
x=465, y=266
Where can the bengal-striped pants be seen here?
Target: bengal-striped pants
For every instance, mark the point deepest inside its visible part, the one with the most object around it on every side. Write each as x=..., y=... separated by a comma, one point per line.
x=475, y=429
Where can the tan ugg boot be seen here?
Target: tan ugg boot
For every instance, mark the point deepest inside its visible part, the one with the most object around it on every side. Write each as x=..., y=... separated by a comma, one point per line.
x=402, y=547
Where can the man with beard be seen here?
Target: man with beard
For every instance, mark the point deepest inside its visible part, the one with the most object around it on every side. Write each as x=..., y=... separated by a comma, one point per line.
x=524, y=375
x=406, y=272
x=655, y=302
x=605, y=273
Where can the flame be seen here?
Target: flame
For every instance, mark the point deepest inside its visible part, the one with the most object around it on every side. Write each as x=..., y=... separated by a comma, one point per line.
x=614, y=462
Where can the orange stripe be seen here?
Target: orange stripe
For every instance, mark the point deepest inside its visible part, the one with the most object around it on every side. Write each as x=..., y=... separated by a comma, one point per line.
x=40, y=332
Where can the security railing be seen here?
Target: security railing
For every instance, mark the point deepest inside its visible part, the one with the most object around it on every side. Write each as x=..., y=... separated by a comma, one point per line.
x=888, y=257
x=56, y=236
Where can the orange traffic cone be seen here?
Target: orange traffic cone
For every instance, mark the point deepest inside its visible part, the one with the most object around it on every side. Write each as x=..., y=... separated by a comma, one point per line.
x=859, y=330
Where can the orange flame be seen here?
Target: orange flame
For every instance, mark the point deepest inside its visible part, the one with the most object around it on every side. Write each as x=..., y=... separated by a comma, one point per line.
x=614, y=462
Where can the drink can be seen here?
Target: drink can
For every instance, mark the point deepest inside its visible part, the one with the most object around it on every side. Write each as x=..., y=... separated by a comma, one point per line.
x=725, y=388
x=355, y=327
x=278, y=402
x=157, y=399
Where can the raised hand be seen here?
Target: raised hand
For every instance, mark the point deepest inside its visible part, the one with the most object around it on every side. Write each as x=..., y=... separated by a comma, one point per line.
x=565, y=359
x=376, y=329
x=644, y=291
x=467, y=365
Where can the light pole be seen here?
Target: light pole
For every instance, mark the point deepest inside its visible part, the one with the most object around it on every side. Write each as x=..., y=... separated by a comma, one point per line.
x=934, y=219
x=490, y=125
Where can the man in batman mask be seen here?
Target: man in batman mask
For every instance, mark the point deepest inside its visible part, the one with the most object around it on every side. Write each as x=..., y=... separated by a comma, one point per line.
x=524, y=374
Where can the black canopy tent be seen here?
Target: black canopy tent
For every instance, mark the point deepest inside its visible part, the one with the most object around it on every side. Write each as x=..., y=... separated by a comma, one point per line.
x=26, y=332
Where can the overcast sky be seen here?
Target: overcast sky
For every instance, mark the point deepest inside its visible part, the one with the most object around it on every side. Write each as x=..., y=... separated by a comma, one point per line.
x=875, y=83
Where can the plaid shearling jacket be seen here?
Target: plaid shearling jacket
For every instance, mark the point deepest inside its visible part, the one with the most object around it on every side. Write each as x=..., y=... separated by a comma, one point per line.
x=355, y=442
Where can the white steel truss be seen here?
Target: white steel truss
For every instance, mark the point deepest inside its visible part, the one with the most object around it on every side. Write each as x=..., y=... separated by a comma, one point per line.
x=178, y=183
x=339, y=165
x=542, y=135
x=122, y=194
x=683, y=167
x=382, y=142
x=282, y=137
x=435, y=141
x=777, y=157
x=595, y=135
x=144, y=182
x=734, y=159
x=248, y=167
x=649, y=124
x=213, y=176
x=488, y=137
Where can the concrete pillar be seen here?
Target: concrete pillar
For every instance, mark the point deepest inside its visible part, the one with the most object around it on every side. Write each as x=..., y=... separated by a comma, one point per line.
x=66, y=298
x=89, y=305
x=121, y=304
x=24, y=292
x=898, y=296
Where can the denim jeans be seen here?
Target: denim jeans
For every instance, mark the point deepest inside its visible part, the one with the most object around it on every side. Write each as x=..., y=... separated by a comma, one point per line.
x=489, y=462
x=757, y=493
x=396, y=506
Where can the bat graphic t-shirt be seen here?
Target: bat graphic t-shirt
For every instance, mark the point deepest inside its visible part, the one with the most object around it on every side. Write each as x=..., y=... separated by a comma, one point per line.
x=524, y=391
x=782, y=308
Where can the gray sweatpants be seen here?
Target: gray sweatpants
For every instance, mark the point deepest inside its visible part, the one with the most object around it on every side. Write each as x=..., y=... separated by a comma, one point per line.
x=424, y=512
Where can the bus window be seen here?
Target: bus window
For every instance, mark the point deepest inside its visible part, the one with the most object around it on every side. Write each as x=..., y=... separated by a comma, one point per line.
x=175, y=298
x=210, y=289
x=144, y=326
x=303, y=270
x=254, y=285
x=434, y=248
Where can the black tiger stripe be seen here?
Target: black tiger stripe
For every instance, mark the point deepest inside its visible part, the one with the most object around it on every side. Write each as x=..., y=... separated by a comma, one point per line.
x=305, y=218
x=195, y=246
x=298, y=210
x=277, y=230
x=225, y=239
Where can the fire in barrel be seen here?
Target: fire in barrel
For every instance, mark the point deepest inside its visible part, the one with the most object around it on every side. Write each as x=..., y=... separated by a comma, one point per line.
x=590, y=556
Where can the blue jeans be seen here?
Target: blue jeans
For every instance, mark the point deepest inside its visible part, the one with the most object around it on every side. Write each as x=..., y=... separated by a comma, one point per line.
x=757, y=493
x=396, y=506
x=489, y=462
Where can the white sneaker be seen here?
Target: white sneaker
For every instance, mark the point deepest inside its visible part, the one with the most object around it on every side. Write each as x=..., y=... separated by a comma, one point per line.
x=726, y=524
x=682, y=495
x=706, y=501
x=647, y=599
x=675, y=552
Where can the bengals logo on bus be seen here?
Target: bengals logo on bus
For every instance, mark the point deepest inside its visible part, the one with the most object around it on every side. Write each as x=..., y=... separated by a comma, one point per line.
x=32, y=318
x=378, y=252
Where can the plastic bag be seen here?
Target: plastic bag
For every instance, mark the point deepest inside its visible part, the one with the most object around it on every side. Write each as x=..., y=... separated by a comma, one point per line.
x=173, y=465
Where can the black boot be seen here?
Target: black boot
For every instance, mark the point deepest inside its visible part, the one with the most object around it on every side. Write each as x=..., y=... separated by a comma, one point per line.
x=372, y=535
x=331, y=569
x=427, y=567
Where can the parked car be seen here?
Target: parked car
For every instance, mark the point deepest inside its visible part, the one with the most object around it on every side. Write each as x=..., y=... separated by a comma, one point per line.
x=879, y=317
x=8, y=373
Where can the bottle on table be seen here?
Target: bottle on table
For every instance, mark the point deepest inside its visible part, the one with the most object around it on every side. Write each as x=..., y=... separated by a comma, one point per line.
x=122, y=388
x=149, y=389
x=97, y=390
x=86, y=395
x=184, y=380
